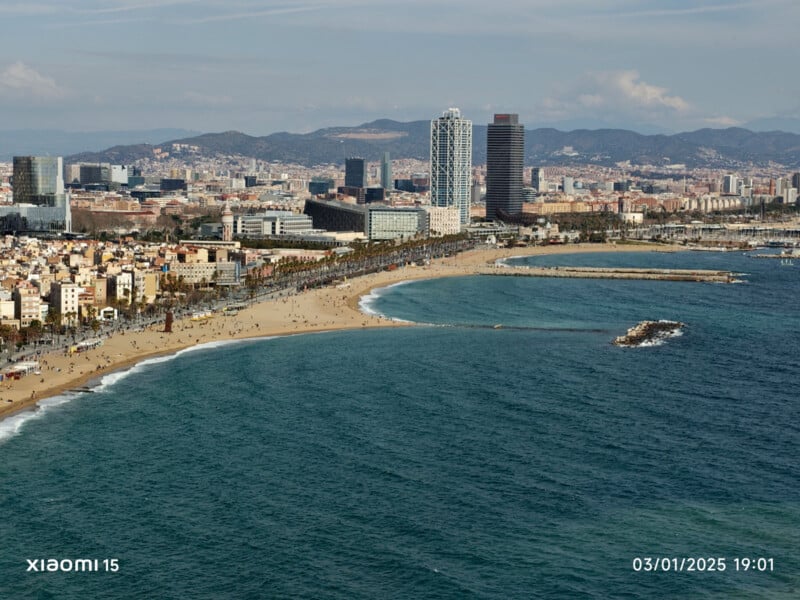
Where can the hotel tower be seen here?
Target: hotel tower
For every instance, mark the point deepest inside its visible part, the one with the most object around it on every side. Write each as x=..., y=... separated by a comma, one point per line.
x=451, y=162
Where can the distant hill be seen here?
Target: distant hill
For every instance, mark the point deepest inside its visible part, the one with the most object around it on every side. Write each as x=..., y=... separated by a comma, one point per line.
x=788, y=124
x=52, y=142
x=720, y=148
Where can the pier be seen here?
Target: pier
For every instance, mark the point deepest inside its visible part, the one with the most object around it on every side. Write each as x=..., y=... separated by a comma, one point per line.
x=701, y=275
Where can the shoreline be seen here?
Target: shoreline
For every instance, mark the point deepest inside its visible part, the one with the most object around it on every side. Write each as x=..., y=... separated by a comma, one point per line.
x=313, y=311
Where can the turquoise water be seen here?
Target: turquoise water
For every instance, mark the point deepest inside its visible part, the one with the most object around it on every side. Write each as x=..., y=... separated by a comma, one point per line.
x=455, y=460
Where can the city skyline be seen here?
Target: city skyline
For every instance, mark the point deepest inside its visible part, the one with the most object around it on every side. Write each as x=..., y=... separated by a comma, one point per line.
x=261, y=67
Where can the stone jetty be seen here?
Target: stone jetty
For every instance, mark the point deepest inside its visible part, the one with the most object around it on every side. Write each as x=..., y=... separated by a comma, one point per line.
x=702, y=275
x=648, y=331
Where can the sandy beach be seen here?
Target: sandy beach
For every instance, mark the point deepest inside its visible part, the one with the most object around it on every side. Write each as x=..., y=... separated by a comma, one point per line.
x=324, y=309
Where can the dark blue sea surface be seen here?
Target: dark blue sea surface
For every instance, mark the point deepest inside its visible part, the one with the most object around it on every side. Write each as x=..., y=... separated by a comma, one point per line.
x=505, y=450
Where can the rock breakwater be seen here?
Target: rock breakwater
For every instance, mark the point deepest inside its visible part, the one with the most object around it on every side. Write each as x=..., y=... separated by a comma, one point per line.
x=649, y=333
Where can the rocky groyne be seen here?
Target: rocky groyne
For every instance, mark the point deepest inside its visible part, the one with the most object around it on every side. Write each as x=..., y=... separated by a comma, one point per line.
x=649, y=333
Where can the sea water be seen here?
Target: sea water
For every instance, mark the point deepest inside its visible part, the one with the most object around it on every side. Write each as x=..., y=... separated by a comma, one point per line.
x=505, y=450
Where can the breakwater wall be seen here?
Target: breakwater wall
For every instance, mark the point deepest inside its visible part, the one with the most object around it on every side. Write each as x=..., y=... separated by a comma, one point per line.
x=700, y=275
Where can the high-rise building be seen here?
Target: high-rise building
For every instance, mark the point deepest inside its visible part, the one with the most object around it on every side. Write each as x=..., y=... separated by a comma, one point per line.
x=40, y=203
x=451, y=162
x=781, y=185
x=227, y=223
x=537, y=179
x=729, y=184
x=386, y=172
x=39, y=180
x=505, y=145
x=796, y=181
x=355, y=172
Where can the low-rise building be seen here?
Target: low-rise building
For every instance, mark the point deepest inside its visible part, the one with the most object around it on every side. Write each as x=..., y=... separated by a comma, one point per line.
x=443, y=220
x=27, y=303
x=389, y=223
x=64, y=297
x=273, y=223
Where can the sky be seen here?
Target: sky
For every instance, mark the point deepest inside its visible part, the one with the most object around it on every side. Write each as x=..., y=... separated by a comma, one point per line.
x=259, y=66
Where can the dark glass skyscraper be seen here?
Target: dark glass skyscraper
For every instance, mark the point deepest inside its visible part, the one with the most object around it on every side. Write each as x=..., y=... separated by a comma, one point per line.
x=39, y=180
x=355, y=172
x=505, y=144
x=386, y=172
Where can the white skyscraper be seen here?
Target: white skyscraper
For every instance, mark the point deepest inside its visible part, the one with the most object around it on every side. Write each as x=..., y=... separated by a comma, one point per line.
x=451, y=162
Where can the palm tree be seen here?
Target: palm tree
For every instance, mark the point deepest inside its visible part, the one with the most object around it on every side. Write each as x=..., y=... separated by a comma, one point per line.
x=33, y=331
x=71, y=316
x=53, y=320
x=141, y=305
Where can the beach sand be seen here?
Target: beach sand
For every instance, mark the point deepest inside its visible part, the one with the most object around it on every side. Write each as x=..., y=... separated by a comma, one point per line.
x=323, y=309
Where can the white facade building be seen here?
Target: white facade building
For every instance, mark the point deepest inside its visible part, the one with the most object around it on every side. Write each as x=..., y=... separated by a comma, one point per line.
x=119, y=174
x=64, y=299
x=277, y=222
x=443, y=220
x=451, y=162
x=120, y=287
x=389, y=223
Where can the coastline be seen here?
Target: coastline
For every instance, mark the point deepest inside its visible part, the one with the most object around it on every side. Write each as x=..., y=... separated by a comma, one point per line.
x=313, y=311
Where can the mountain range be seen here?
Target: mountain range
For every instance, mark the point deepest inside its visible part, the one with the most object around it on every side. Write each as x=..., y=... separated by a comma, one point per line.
x=713, y=148
x=54, y=142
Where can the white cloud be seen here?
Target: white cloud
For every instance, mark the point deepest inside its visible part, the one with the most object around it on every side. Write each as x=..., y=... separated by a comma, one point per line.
x=19, y=79
x=613, y=93
x=625, y=87
x=125, y=6
x=252, y=14
x=722, y=121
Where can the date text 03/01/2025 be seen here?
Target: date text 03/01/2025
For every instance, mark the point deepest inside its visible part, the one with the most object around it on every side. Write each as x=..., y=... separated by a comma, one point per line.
x=691, y=564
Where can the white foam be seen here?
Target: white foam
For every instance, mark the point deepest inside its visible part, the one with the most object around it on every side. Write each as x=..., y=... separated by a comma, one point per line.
x=366, y=302
x=218, y=344
x=650, y=344
x=108, y=380
x=661, y=339
x=11, y=426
